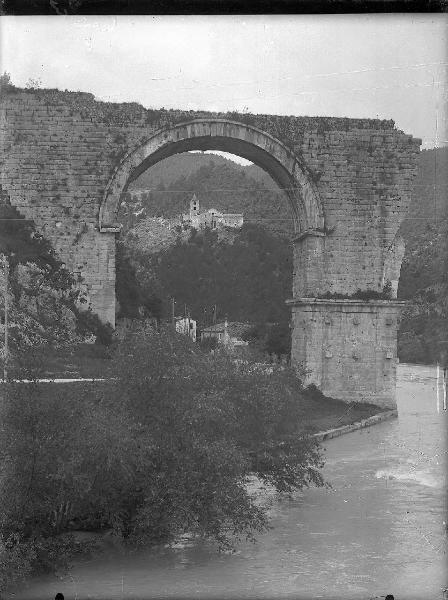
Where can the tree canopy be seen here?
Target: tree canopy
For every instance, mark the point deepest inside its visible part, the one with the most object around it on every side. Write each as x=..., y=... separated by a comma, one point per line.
x=167, y=447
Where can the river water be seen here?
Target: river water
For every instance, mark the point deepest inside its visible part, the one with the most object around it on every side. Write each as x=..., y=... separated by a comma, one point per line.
x=381, y=529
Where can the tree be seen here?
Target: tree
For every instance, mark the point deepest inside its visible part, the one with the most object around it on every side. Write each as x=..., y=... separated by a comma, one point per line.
x=212, y=423
x=164, y=448
x=249, y=279
x=134, y=298
x=279, y=339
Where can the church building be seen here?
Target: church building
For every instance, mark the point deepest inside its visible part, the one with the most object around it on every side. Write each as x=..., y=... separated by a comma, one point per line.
x=211, y=218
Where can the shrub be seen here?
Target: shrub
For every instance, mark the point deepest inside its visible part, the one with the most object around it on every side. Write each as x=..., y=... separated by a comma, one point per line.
x=164, y=448
x=88, y=322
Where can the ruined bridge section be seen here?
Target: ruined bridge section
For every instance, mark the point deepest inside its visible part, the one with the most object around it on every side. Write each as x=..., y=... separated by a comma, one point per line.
x=65, y=161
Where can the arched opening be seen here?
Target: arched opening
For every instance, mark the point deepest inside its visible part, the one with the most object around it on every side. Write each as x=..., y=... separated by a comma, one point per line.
x=236, y=266
x=248, y=142
x=270, y=154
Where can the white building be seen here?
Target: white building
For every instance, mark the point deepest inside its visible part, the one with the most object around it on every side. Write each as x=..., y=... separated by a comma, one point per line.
x=228, y=334
x=211, y=218
x=187, y=326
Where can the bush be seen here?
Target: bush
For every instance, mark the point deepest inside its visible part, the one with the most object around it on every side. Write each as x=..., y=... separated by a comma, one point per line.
x=88, y=322
x=21, y=558
x=209, y=343
x=16, y=561
x=165, y=448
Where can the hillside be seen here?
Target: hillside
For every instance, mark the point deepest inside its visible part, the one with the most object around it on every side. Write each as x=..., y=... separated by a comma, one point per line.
x=423, y=332
x=165, y=190
x=187, y=163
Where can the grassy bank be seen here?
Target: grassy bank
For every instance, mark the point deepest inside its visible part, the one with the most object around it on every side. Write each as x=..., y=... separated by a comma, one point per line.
x=322, y=413
x=317, y=412
x=84, y=360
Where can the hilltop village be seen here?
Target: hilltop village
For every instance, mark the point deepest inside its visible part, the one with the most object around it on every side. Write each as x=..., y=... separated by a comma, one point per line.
x=230, y=335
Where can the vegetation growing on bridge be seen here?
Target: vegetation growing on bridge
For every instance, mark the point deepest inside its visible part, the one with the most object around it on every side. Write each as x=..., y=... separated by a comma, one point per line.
x=44, y=301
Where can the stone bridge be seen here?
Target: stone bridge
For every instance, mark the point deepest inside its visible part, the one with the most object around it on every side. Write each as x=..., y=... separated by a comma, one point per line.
x=66, y=159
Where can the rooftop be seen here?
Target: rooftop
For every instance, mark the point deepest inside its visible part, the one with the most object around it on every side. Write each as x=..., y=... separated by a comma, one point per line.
x=234, y=328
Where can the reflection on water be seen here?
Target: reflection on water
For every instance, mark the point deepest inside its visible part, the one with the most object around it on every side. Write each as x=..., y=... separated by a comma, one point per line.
x=381, y=529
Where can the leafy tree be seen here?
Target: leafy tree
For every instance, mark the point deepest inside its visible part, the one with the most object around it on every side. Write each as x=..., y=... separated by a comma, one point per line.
x=60, y=459
x=248, y=279
x=279, y=340
x=211, y=424
x=134, y=298
x=164, y=448
x=5, y=82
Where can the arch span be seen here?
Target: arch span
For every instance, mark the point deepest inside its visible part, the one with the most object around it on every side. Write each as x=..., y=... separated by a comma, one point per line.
x=237, y=138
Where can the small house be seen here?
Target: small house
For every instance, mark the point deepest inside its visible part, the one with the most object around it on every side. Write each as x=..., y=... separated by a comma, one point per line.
x=229, y=334
x=186, y=326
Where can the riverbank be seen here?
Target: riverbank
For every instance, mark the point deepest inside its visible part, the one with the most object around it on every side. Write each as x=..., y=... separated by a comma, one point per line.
x=361, y=539
x=320, y=415
x=373, y=420
x=323, y=414
x=92, y=362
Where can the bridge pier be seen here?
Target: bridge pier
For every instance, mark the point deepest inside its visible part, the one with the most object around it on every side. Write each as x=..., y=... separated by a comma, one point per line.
x=347, y=348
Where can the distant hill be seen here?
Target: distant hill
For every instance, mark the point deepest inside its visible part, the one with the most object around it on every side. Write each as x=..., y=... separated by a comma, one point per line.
x=185, y=164
x=165, y=190
x=165, y=172
x=431, y=188
x=424, y=272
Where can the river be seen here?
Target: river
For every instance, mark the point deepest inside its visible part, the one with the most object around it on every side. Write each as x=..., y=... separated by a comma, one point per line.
x=381, y=529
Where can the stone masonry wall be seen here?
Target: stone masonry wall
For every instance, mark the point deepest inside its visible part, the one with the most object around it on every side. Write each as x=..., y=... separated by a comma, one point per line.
x=347, y=348
x=364, y=179
x=59, y=152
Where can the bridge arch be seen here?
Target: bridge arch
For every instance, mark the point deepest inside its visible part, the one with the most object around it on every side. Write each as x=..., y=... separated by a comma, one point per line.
x=246, y=141
x=349, y=183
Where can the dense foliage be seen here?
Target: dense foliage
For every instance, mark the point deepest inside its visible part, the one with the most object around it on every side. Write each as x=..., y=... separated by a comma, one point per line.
x=423, y=336
x=40, y=288
x=164, y=449
x=45, y=307
x=246, y=274
x=135, y=298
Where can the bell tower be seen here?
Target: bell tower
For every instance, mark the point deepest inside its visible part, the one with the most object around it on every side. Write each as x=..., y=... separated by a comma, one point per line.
x=194, y=207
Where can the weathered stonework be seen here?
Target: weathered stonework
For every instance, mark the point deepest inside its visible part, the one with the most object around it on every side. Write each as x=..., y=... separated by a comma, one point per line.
x=347, y=348
x=65, y=161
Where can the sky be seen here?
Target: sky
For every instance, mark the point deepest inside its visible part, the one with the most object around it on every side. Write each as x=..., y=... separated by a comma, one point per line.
x=371, y=65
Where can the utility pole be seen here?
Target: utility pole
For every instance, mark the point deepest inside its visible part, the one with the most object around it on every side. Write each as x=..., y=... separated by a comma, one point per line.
x=5, y=268
x=173, y=321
